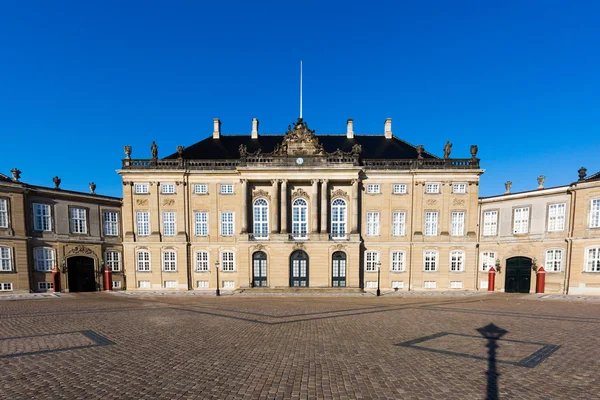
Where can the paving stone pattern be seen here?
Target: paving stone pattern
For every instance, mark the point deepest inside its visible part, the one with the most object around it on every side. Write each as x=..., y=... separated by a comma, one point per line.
x=200, y=347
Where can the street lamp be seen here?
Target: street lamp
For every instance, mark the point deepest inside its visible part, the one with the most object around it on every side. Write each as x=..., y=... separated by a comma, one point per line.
x=378, y=277
x=218, y=293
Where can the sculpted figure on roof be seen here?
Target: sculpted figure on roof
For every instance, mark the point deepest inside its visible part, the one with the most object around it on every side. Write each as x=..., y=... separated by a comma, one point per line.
x=302, y=140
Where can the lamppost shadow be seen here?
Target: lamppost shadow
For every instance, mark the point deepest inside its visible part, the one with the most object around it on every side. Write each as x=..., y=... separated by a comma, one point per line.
x=492, y=333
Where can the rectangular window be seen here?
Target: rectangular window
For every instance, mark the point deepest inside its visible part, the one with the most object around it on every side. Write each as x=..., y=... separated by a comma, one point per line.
x=521, y=220
x=170, y=284
x=201, y=188
x=373, y=188
x=43, y=286
x=143, y=223
x=167, y=188
x=398, y=223
x=488, y=260
x=201, y=219
x=595, y=213
x=397, y=284
x=226, y=224
x=144, y=284
x=456, y=285
x=169, y=261
x=430, y=261
x=5, y=259
x=228, y=284
x=142, y=188
x=227, y=261
x=593, y=260
x=429, y=284
x=201, y=261
x=457, y=261
x=113, y=260
x=42, y=217
x=490, y=223
x=431, y=223
x=398, y=258
x=43, y=258
x=169, y=223
x=459, y=188
x=458, y=223
x=5, y=286
x=371, y=261
x=432, y=188
x=399, y=188
x=202, y=284
x=372, y=224
x=227, y=189
x=3, y=213
x=371, y=284
x=143, y=260
x=111, y=223
x=553, y=260
x=78, y=220
x=556, y=217
x=116, y=284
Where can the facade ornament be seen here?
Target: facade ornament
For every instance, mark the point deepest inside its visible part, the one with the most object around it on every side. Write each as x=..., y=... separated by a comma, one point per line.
x=582, y=173
x=540, y=181
x=431, y=202
x=92, y=187
x=141, y=202
x=56, y=181
x=458, y=202
x=507, y=186
x=16, y=174
x=180, y=152
x=474, y=150
x=127, y=150
x=301, y=140
x=168, y=202
x=338, y=247
x=339, y=193
x=300, y=193
x=243, y=150
x=259, y=247
x=299, y=246
x=420, y=150
x=447, y=150
x=261, y=193
x=154, y=150
x=81, y=250
x=356, y=150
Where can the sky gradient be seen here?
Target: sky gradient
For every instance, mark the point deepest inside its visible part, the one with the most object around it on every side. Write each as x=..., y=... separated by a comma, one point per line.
x=79, y=80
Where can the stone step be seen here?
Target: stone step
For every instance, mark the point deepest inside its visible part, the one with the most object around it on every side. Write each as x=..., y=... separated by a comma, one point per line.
x=293, y=290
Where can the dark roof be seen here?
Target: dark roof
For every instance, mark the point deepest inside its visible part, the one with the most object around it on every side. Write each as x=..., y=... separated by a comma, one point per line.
x=4, y=178
x=373, y=146
x=594, y=177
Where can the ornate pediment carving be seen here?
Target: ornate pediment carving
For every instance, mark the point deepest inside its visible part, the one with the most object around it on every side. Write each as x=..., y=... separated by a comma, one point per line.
x=81, y=250
x=261, y=193
x=300, y=193
x=458, y=202
x=141, y=202
x=300, y=140
x=431, y=202
x=339, y=193
x=168, y=202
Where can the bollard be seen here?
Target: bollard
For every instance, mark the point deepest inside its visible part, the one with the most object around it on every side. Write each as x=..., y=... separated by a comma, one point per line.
x=540, y=282
x=491, y=279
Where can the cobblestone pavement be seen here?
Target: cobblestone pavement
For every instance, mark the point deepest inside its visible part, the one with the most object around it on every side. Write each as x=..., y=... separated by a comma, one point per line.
x=103, y=346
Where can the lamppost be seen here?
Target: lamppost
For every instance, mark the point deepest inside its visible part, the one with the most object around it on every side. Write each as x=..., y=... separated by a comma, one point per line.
x=218, y=293
x=378, y=277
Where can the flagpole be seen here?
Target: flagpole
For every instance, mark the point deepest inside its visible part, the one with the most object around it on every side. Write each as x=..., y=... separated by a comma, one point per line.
x=300, y=88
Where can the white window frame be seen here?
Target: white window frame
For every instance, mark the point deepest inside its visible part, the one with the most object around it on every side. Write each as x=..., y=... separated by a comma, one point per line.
x=167, y=188
x=431, y=260
x=228, y=261
x=553, y=260
x=111, y=223
x=398, y=223
x=521, y=220
x=592, y=259
x=202, y=261
x=169, y=260
x=260, y=218
x=339, y=214
x=488, y=260
x=170, y=284
x=398, y=261
x=432, y=188
x=457, y=261
x=42, y=217
x=3, y=213
x=6, y=286
x=200, y=188
x=373, y=223
x=78, y=220
x=595, y=213
x=459, y=188
x=45, y=286
x=399, y=188
x=116, y=284
x=201, y=223
x=227, y=223
x=557, y=217
x=431, y=223
x=490, y=223
x=112, y=259
x=144, y=284
x=169, y=223
x=226, y=188
x=457, y=223
x=300, y=218
x=143, y=264
x=44, y=259
x=141, y=188
x=6, y=264
x=373, y=188
x=371, y=260
x=143, y=223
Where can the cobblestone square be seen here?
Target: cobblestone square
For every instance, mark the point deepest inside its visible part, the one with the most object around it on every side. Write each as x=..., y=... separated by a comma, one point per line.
x=114, y=346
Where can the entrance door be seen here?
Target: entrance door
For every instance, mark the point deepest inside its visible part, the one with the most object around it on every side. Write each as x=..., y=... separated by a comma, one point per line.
x=518, y=275
x=299, y=269
x=338, y=263
x=81, y=274
x=259, y=269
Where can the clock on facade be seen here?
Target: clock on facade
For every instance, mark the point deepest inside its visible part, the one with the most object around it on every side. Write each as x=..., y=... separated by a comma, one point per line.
x=299, y=160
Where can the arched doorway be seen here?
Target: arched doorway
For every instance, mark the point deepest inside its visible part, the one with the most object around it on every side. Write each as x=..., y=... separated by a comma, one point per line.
x=338, y=267
x=82, y=277
x=299, y=269
x=518, y=275
x=259, y=269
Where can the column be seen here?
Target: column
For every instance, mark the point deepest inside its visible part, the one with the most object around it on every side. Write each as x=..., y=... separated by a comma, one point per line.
x=244, y=206
x=314, y=198
x=284, y=206
x=355, y=206
x=275, y=205
x=324, y=206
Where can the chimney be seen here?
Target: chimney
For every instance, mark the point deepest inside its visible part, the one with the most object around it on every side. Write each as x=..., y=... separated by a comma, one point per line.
x=217, y=128
x=388, y=128
x=254, y=128
x=350, y=128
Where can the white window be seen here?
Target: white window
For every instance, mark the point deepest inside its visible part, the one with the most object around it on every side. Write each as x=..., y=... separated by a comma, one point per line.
x=595, y=213
x=553, y=260
x=429, y=284
x=113, y=260
x=398, y=223
x=228, y=284
x=431, y=223
x=116, y=284
x=373, y=224
x=261, y=219
x=169, y=260
x=398, y=260
x=371, y=261
x=432, y=188
x=169, y=223
x=556, y=217
x=456, y=285
x=299, y=219
x=373, y=188
x=490, y=223
x=338, y=218
x=202, y=284
x=111, y=223
x=142, y=188
x=43, y=286
x=397, y=284
x=170, y=284
x=42, y=217
x=167, y=188
x=5, y=259
x=521, y=220
x=143, y=260
x=483, y=284
x=227, y=188
x=201, y=188
x=459, y=188
x=593, y=259
x=458, y=223
x=143, y=223
x=44, y=259
x=399, y=188
x=201, y=218
x=202, y=261
x=488, y=260
x=78, y=220
x=144, y=284
x=457, y=261
x=227, y=223
x=371, y=284
x=430, y=261
x=227, y=261
x=3, y=213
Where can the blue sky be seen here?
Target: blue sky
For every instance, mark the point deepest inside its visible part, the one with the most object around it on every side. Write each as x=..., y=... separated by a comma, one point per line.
x=79, y=80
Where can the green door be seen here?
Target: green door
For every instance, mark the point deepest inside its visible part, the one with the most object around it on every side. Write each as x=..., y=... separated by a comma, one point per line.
x=518, y=275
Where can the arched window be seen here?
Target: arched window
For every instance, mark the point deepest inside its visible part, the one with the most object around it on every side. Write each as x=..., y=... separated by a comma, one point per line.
x=143, y=260
x=338, y=219
x=261, y=219
x=299, y=219
x=169, y=260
